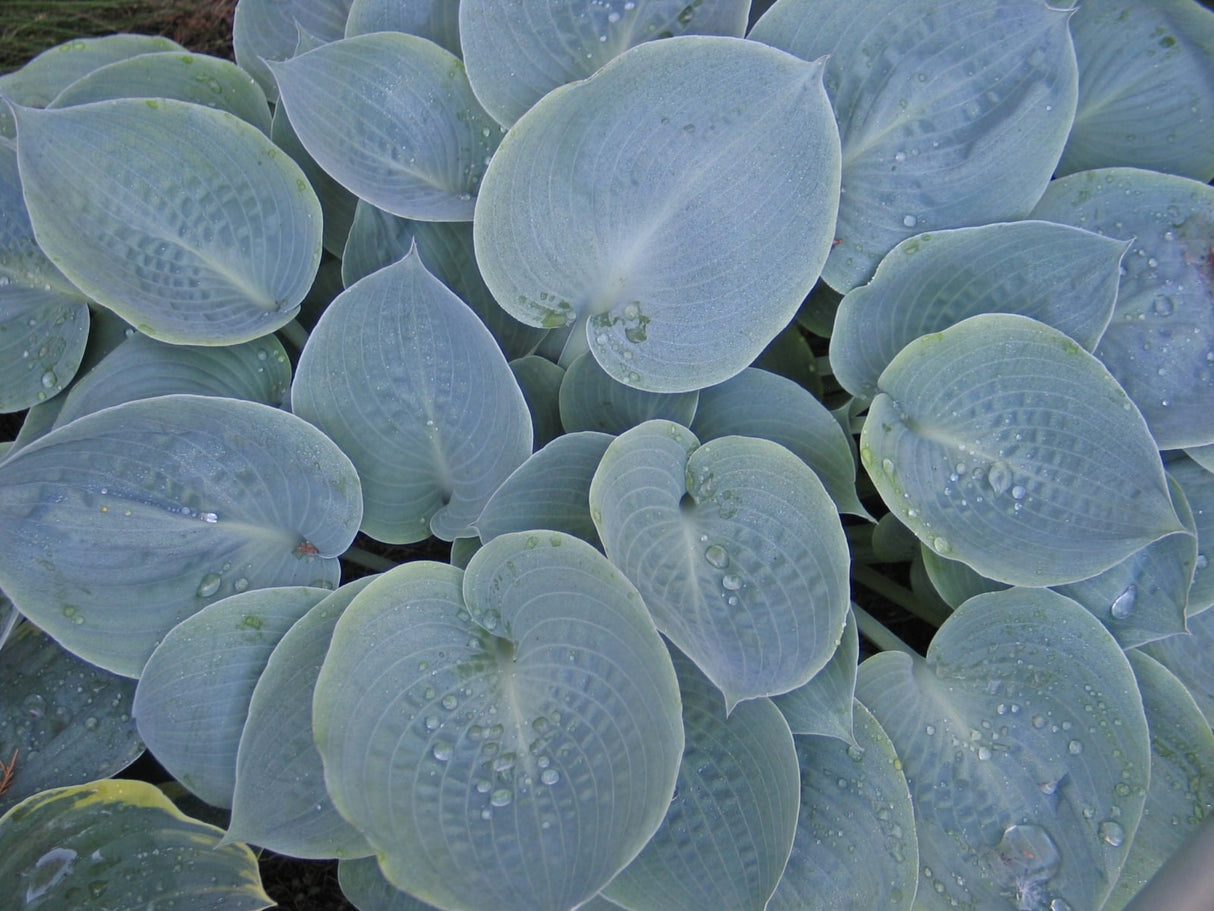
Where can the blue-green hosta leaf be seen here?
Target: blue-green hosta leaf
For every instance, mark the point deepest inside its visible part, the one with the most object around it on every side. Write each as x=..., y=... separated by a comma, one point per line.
x=518, y=52
x=193, y=695
x=364, y=886
x=1159, y=342
x=951, y=113
x=1062, y=276
x=640, y=223
x=1197, y=483
x=120, y=844
x=736, y=548
x=954, y=581
x=540, y=379
x=435, y=20
x=550, y=490
x=1202, y=455
x=38, y=82
x=117, y=526
x=823, y=706
x=1188, y=657
x=462, y=550
x=589, y=399
x=264, y=30
x=1003, y=444
x=140, y=368
x=729, y=829
x=279, y=800
x=378, y=238
x=1146, y=88
x=62, y=720
x=789, y=355
x=402, y=374
x=391, y=117
x=505, y=738
x=855, y=847
x=1025, y=745
x=44, y=320
x=197, y=78
x=893, y=542
x=756, y=403
x=1181, y=793
x=185, y=221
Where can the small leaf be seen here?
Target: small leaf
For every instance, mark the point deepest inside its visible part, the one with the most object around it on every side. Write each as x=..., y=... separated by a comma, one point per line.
x=193, y=695
x=950, y=114
x=186, y=222
x=408, y=381
x=591, y=400
x=735, y=547
x=121, y=844
x=117, y=526
x=1003, y=444
x=729, y=829
x=638, y=228
x=526, y=711
x=823, y=706
x=1161, y=333
x=1062, y=276
x=1025, y=745
x=391, y=117
x=264, y=30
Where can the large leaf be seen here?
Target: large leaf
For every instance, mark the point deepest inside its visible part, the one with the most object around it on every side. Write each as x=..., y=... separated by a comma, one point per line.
x=951, y=113
x=1146, y=87
x=279, y=800
x=1059, y=275
x=507, y=737
x=729, y=829
x=1003, y=444
x=120, y=524
x=62, y=721
x=436, y=20
x=391, y=117
x=264, y=30
x=518, y=52
x=193, y=695
x=185, y=221
x=641, y=221
x=120, y=844
x=590, y=399
x=855, y=847
x=44, y=320
x=736, y=548
x=402, y=374
x=1025, y=745
x=1159, y=342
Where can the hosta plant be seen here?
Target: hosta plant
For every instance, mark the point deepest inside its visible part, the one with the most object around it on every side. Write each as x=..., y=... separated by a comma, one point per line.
x=686, y=333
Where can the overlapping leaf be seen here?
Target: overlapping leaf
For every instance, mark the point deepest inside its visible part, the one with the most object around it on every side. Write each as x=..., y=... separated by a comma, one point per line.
x=120, y=524
x=265, y=30
x=823, y=706
x=391, y=117
x=540, y=379
x=951, y=114
x=638, y=227
x=410, y=383
x=185, y=221
x=507, y=737
x=1003, y=444
x=1023, y=738
x=436, y=20
x=590, y=399
x=1187, y=656
x=736, y=548
x=1197, y=482
x=1159, y=342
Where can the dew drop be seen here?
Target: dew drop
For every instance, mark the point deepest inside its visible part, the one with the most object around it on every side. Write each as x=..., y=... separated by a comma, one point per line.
x=887, y=466
x=209, y=517
x=432, y=723
x=240, y=585
x=910, y=221
x=483, y=786
x=1025, y=858
x=1164, y=305
x=449, y=702
x=550, y=776
x=1123, y=604
x=984, y=753
x=717, y=556
x=941, y=545
x=442, y=751
x=999, y=477
x=1018, y=492
x=209, y=585
x=1075, y=747
x=731, y=582
x=49, y=379
x=1111, y=833
x=501, y=797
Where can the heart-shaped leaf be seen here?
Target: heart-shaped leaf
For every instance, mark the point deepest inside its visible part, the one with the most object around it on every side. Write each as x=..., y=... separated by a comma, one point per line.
x=185, y=221
x=392, y=118
x=120, y=844
x=1062, y=276
x=729, y=829
x=823, y=706
x=855, y=846
x=591, y=400
x=265, y=30
x=424, y=402
x=508, y=737
x=519, y=52
x=435, y=20
x=1025, y=745
x=1003, y=444
x=279, y=800
x=951, y=114
x=1159, y=341
x=736, y=548
x=117, y=526
x=638, y=222
x=1146, y=88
